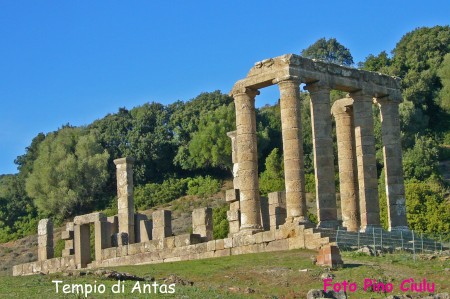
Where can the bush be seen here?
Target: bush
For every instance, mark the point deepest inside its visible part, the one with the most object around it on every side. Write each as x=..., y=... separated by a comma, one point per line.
x=59, y=246
x=272, y=179
x=203, y=186
x=310, y=183
x=150, y=195
x=220, y=222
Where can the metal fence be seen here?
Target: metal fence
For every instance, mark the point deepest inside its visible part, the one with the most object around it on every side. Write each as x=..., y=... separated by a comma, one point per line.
x=380, y=240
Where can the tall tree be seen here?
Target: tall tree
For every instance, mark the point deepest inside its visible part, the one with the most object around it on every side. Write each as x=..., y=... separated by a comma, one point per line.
x=330, y=51
x=69, y=173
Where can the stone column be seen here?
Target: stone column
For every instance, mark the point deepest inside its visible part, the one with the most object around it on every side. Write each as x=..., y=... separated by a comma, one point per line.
x=294, y=174
x=248, y=159
x=323, y=155
x=233, y=215
x=393, y=171
x=366, y=161
x=348, y=175
x=102, y=230
x=234, y=159
x=125, y=200
x=45, y=239
x=202, y=223
x=82, y=233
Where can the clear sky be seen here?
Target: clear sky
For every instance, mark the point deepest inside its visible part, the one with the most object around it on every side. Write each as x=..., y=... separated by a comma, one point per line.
x=76, y=61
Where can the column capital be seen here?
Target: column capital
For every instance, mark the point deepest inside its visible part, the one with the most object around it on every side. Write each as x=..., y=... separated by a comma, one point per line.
x=341, y=106
x=244, y=90
x=287, y=79
x=126, y=160
x=386, y=101
x=232, y=134
x=318, y=86
x=361, y=95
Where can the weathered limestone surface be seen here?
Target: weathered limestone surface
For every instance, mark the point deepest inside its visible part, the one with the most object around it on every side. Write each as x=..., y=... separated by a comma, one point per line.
x=294, y=173
x=162, y=224
x=234, y=158
x=348, y=175
x=277, y=209
x=244, y=100
x=89, y=218
x=323, y=155
x=82, y=245
x=124, y=172
x=202, y=223
x=366, y=161
x=393, y=171
x=45, y=239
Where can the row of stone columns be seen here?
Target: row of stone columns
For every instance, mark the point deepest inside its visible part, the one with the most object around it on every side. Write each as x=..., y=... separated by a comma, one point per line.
x=357, y=163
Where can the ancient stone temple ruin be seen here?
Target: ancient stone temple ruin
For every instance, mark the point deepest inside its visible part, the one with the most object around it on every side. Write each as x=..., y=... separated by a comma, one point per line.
x=259, y=224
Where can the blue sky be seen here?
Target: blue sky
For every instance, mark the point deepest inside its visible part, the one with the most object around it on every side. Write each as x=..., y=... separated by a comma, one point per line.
x=76, y=61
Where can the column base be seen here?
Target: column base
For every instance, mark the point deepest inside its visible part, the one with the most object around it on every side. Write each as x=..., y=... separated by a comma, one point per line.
x=251, y=229
x=370, y=228
x=299, y=221
x=399, y=228
x=328, y=224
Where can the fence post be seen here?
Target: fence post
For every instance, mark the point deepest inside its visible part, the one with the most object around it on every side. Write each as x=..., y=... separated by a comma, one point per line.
x=440, y=240
x=337, y=237
x=374, y=242
x=414, y=247
x=435, y=247
x=381, y=239
x=421, y=237
x=401, y=236
x=358, y=239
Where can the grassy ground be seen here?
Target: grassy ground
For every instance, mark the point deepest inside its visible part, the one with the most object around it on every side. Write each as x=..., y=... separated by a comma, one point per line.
x=266, y=275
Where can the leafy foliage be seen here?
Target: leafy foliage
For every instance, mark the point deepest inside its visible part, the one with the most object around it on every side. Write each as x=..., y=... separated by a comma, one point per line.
x=330, y=51
x=422, y=161
x=152, y=194
x=203, y=186
x=69, y=173
x=272, y=179
x=220, y=222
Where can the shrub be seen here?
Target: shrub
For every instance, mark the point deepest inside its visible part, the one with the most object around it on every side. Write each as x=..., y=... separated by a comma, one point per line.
x=203, y=186
x=152, y=194
x=220, y=222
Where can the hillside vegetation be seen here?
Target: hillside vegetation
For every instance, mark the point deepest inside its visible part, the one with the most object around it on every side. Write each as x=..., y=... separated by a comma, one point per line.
x=182, y=148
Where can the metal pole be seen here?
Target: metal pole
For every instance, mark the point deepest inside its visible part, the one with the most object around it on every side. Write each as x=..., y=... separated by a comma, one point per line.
x=421, y=237
x=358, y=239
x=374, y=242
x=401, y=236
x=414, y=247
x=440, y=239
x=381, y=239
x=337, y=236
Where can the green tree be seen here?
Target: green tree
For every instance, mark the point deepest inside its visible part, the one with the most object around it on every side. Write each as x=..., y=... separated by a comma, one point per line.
x=272, y=179
x=69, y=173
x=444, y=76
x=210, y=147
x=422, y=161
x=330, y=51
x=379, y=63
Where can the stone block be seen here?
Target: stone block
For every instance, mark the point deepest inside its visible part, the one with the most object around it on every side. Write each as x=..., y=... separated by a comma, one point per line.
x=145, y=231
x=329, y=255
x=234, y=227
x=296, y=243
x=135, y=248
x=119, y=239
x=69, y=226
x=187, y=239
x=68, y=244
x=220, y=244
x=222, y=253
x=152, y=246
x=82, y=245
x=243, y=239
x=67, y=252
x=109, y=253
x=162, y=218
x=235, y=206
x=206, y=255
x=45, y=253
x=278, y=245
x=89, y=218
x=67, y=235
x=114, y=220
x=228, y=242
x=202, y=223
x=211, y=245
x=277, y=198
x=169, y=242
x=269, y=236
x=233, y=215
x=17, y=270
x=232, y=195
x=159, y=233
x=45, y=240
x=45, y=227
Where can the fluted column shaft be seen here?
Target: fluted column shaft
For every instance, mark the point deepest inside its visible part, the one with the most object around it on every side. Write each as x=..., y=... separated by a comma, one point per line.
x=247, y=154
x=348, y=175
x=393, y=170
x=367, y=168
x=323, y=155
x=294, y=174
